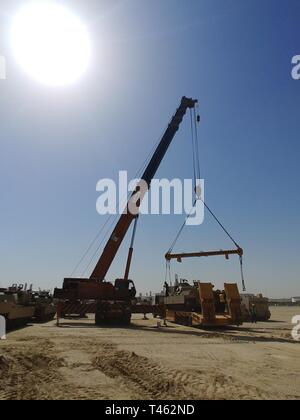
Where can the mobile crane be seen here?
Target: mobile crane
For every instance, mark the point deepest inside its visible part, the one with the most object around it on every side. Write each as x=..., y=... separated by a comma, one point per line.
x=113, y=301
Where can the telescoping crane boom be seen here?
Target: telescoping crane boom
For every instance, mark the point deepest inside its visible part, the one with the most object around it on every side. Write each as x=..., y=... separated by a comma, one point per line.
x=127, y=218
x=114, y=300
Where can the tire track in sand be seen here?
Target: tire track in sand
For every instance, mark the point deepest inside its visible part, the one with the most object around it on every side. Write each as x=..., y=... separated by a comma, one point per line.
x=148, y=380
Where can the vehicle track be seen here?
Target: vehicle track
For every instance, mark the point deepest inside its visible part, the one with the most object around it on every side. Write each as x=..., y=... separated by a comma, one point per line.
x=150, y=380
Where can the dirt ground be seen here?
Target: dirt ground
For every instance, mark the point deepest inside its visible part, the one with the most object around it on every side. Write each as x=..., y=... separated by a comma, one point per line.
x=80, y=361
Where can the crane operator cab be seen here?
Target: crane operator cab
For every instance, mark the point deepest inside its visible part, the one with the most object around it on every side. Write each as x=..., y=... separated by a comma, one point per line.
x=125, y=289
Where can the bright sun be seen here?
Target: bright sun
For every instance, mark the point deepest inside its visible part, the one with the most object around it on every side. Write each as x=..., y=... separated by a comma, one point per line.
x=50, y=43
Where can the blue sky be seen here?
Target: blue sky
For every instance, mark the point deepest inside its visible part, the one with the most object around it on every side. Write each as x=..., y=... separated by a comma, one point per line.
x=56, y=143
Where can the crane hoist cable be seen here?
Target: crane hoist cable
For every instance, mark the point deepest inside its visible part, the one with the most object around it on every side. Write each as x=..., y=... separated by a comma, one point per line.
x=193, y=149
x=197, y=177
x=196, y=122
x=187, y=218
x=109, y=222
x=242, y=273
x=89, y=247
x=181, y=229
x=168, y=275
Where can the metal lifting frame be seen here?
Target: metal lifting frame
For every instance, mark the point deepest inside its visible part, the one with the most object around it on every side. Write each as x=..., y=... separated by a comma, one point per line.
x=226, y=253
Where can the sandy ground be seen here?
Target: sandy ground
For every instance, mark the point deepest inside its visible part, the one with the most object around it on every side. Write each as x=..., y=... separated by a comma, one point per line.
x=80, y=361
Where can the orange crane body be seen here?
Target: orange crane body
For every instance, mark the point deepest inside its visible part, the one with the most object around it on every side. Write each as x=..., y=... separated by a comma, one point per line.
x=95, y=288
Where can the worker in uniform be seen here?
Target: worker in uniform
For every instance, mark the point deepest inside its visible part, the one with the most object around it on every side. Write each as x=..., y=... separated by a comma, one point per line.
x=223, y=301
x=217, y=301
x=253, y=314
x=167, y=289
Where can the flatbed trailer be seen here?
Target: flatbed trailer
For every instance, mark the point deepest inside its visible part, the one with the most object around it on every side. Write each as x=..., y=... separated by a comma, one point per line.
x=196, y=319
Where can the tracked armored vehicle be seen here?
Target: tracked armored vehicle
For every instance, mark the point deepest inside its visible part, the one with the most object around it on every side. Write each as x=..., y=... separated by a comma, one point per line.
x=17, y=314
x=200, y=305
x=261, y=304
x=44, y=306
x=42, y=301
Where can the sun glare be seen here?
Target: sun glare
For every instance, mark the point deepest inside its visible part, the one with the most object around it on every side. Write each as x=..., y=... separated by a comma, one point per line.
x=50, y=43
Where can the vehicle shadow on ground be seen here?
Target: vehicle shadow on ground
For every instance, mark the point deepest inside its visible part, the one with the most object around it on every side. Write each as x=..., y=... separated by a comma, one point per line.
x=266, y=335
x=91, y=325
x=231, y=334
x=224, y=333
x=74, y=325
x=18, y=328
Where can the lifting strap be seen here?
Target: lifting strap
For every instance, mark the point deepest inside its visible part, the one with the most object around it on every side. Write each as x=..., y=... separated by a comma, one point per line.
x=223, y=228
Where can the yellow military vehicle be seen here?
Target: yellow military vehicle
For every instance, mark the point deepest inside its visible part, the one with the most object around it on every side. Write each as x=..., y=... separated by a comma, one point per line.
x=17, y=314
x=200, y=305
x=261, y=305
x=42, y=301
